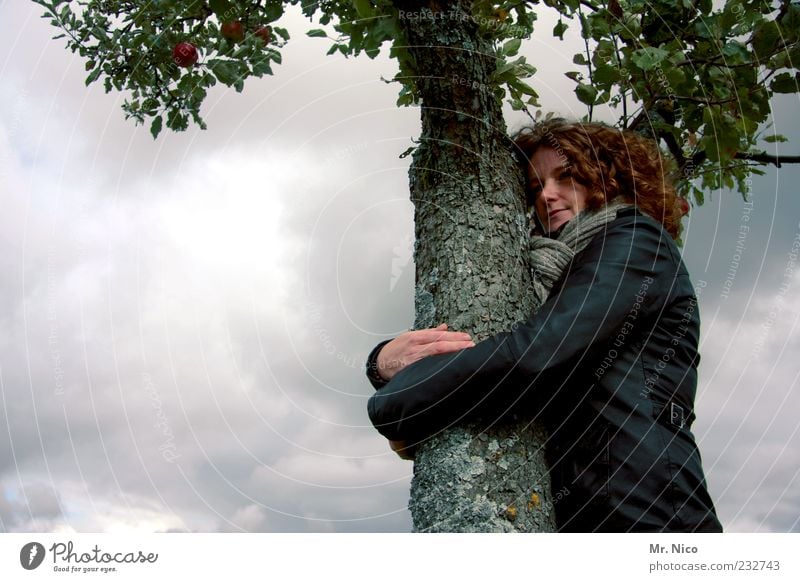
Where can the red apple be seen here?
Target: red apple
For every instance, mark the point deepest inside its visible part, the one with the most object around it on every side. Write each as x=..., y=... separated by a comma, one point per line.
x=683, y=205
x=264, y=34
x=233, y=30
x=184, y=54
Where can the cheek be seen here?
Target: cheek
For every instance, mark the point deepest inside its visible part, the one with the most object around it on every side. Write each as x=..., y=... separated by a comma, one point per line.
x=540, y=207
x=579, y=198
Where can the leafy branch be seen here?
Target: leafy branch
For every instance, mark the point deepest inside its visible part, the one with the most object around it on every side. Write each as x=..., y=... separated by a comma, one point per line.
x=696, y=76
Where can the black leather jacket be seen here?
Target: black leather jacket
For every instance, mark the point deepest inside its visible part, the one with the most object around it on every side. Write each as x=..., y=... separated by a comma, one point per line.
x=609, y=363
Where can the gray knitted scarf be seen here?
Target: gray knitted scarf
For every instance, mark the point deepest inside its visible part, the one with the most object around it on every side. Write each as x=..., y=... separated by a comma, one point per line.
x=550, y=257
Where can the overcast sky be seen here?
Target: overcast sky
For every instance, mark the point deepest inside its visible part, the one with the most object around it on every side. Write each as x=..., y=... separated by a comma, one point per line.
x=184, y=321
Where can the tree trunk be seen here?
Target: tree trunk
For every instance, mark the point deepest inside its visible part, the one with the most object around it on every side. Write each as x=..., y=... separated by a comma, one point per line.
x=472, y=272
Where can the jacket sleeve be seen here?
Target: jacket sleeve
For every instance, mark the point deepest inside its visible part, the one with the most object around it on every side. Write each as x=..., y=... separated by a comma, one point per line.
x=614, y=276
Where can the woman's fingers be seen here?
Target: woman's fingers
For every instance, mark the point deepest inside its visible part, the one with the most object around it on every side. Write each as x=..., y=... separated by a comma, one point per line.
x=445, y=347
x=437, y=334
x=412, y=346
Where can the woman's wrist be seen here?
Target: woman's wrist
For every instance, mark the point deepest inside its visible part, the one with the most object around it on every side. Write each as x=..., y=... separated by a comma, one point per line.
x=409, y=347
x=373, y=369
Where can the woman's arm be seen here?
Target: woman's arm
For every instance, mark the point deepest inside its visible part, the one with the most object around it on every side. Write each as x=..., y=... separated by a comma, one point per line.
x=629, y=268
x=389, y=357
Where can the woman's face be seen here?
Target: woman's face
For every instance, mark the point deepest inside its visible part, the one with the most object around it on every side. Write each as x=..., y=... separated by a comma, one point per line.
x=557, y=197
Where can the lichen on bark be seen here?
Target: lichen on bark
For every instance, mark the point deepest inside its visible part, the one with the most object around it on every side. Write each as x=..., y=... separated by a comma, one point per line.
x=468, y=480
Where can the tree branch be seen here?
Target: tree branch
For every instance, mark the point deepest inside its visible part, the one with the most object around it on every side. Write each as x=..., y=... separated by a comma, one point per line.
x=588, y=57
x=765, y=158
x=623, y=91
x=784, y=9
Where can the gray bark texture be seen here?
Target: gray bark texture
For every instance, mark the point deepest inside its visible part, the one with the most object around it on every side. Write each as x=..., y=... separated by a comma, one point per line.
x=472, y=266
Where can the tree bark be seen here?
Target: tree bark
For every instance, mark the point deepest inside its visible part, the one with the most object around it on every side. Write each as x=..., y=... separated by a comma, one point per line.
x=472, y=272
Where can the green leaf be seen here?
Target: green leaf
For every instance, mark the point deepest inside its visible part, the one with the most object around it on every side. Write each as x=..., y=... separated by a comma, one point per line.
x=786, y=83
x=280, y=31
x=774, y=138
x=155, y=126
x=699, y=196
x=605, y=74
x=150, y=105
x=273, y=11
x=176, y=120
x=735, y=52
x=586, y=93
x=559, y=28
x=765, y=39
x=405, y=100
x=317, y=32
x=524, y=88
x=503, y=71
x=511, y=47
x=649, y=58
x=93, y=76
x=262, y=68
x=224, y=10
x=363, y=8
x=225, y=71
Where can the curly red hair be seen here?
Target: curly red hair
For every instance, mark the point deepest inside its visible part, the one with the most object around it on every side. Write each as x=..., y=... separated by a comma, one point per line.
x=610, y=163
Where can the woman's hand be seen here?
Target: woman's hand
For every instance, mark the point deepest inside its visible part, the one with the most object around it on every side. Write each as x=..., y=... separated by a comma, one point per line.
x=411, y=346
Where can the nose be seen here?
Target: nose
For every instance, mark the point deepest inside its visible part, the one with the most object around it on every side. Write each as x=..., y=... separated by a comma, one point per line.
x=549, y=191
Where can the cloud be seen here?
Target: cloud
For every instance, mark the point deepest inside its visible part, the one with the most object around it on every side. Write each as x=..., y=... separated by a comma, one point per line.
x=165, y=350
x=749, y=388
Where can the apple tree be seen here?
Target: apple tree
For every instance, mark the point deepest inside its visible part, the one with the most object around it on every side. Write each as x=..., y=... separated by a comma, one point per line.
x=696, y=76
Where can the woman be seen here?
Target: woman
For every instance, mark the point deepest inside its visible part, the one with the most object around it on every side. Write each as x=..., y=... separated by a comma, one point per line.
x=610, y=358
